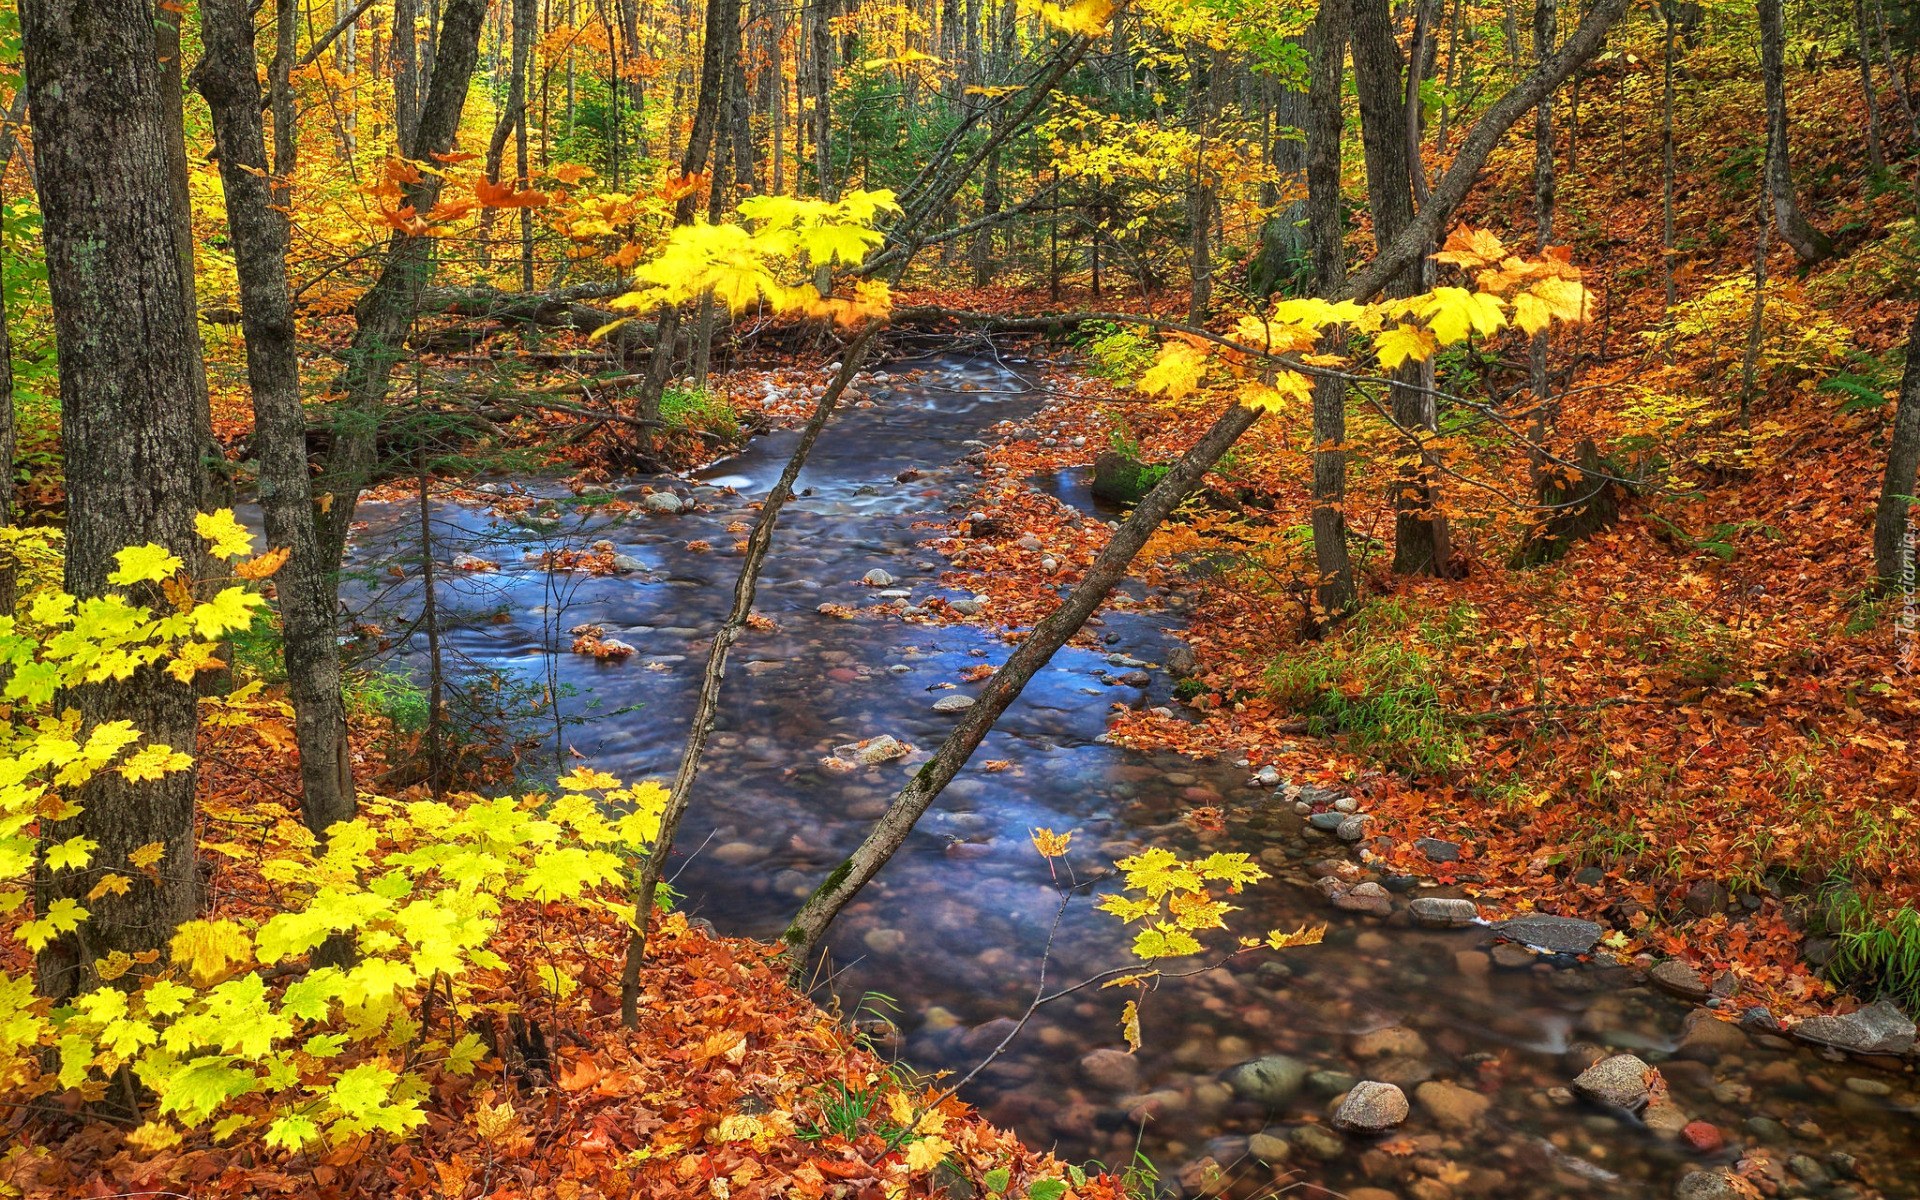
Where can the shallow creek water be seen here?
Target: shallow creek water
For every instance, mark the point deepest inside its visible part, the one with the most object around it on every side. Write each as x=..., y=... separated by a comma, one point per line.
x=948, y=941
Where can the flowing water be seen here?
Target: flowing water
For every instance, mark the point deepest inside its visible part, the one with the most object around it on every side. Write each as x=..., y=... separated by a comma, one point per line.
x=949, y=941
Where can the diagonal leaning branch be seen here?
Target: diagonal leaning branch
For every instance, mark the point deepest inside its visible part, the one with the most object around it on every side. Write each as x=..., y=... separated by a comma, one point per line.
x=759, y=542
x=890, y=832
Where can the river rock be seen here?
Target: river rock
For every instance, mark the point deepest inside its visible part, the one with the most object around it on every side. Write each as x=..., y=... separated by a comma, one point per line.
x=1327, y=821
x=1369, y=898
x=1317, y=1142
x=471, y=562
x=1705, y=1037
x=1396, y=1041
x=1665, y=1119
x=1267, y=776
x=738, y=854
x=1030, y=543
x=1703, y=1137
x=1269, y=1148
x=1353, y=828
x=1272, y=1080
x=1439, y=912
x=1704, y=1185
x=1678, y=979
x=878, y=577
x=1452, y=1106
x=661, y=502
x=1371, y=1107
x=1111, y=1070
x=884, y=748
x=1438, y=849
x=953, y=704
x=1181, y=661
x=1561, y=935
x=1876, y=1029
x=1620, y=1081
x=885, y=941
x=627, y=564
x=965, y=606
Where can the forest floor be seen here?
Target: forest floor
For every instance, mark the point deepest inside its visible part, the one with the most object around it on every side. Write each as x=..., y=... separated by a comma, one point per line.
x=1698, y=726
x=734, y=1086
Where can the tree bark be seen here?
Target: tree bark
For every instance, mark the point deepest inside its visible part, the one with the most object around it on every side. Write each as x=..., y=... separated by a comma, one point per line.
x=1419, y=530
x=383, y=316
x=124, y=334
x=1333, y=590
x=406, y=71
x=1667, y=248
x=1894, y=534
x=227, y=78
x=1863, y=52
x=211, y=478
x=1807, y=242
x=1545, y=31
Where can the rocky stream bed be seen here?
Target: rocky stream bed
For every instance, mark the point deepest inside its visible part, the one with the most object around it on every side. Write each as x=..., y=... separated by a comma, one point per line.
x=1414, y=1053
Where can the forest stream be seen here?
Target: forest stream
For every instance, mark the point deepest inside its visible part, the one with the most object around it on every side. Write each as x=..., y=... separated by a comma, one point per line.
x=948, y=942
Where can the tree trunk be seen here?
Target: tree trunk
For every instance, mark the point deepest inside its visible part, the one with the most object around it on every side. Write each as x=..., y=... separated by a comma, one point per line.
x=722, y=34
x=1333, y=590
x=385, y=313
x=1419, y=530
x=1667, y=248
x=1205, y=69
x=513, y=115
x=1894, y=534
x=211, y=478
x=286, y=136
x=1807, y=242
x=1545, y=32
x=124, y=334
x=1288, y=236
x=227, y=78
x=1863, y=51
x=406, y=71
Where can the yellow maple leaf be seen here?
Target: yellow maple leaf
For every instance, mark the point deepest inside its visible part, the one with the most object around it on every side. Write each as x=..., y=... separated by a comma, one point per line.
x=928, y=1153
x=1176, y=373
x=1130, y=1025
x=148, y=855
x=1470, y=248
x=1452, y=312
x=1273, y=397
x=230, y=539
x=208, y=948
x=1303, y=936
x=1049, y=843
x=1564, y=298
x=1402, y=342
x=1531, y=313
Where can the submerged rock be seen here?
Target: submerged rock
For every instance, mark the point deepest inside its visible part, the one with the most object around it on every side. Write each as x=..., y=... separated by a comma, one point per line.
x=1678, y=979
x=1452, y=1106
x=1876, y=1029
x=1371, y=1107
x=1272, y=1080
x=1562, y=935
x=1439, y=912
x=1620, y=1081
